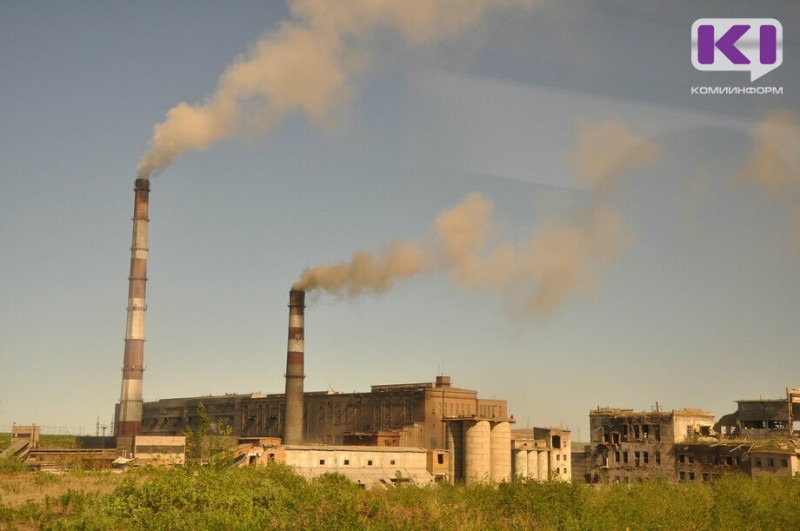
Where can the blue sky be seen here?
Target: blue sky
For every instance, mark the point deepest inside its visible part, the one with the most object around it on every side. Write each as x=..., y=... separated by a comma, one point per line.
x=698, y=310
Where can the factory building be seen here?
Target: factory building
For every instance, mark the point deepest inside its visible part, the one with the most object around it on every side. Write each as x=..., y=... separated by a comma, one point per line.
x=435, y=430
x=542, y=454
x=368, y=466
x=388, y=415
x=759, y=439
x=628, y=445
x=763, y=418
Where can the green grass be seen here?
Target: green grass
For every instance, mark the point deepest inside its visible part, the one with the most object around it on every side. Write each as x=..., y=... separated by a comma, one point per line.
x=275, y=497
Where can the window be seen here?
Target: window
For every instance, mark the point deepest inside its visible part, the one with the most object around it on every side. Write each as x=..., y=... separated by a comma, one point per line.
x=682, y=476
x=369, y=462
x=636, y=431
x=270, y=457
x=784, y=463
x=770, y=462
x=691, y=476
x=645, y=457
x=558, y=457
x=728, y=460
x=440, y=459
x=391, y=462
x=758, y=462
x=705, y=476
x=616, y=456
x=625, y=456
x=681, y=458
x=556, y=441
x=658, y=457
x=322, y=461
x=636, y=457
x=691, y=458
x=346, y=462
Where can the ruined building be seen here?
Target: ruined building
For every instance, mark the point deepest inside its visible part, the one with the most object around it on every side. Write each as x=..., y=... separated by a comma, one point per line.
x=760, y=438
x=627, y=445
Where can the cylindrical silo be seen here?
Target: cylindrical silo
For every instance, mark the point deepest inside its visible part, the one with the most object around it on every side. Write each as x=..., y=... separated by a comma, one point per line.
x=500, y=452
x=520, y=462
x=543, y=465
x=533, y=465
x=455, y=443
x=477, y=451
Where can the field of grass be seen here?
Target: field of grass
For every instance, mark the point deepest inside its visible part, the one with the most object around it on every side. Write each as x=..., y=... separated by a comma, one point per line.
x=275, y=497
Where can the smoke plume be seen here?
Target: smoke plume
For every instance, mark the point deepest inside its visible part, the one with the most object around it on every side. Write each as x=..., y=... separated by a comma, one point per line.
x=305, y=65
x=774, y=161
x=608, y=150
x=536, y=275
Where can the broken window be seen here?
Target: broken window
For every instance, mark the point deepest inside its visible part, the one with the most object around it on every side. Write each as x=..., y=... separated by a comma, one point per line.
x=728, y=460
x=691, y=476
x=784, y=463
x=440, y=458
x=705, y=431
x=658, y=457
x=636, y=456
x=645, y=431
x=645, y=457
x=615, y=437
x=705, y=476
x=556, y=441
x=682, y=476
x=681, y=458
x=758, y=462
x=691, y=458
x=625, y=457
x=616, y=456
x=657, y=432
x=636, y=431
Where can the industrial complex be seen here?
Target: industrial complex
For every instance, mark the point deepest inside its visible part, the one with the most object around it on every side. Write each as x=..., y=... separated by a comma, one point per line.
x=417, y=432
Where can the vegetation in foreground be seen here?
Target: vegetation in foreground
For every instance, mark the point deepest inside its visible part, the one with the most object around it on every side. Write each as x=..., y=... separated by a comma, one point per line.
x=276, y=497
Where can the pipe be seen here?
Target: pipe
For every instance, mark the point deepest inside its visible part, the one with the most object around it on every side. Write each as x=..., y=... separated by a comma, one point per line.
x=293, y=423
x=130, y=402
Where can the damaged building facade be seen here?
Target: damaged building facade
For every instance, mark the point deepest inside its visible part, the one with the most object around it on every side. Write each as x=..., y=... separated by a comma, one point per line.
x=760, y=438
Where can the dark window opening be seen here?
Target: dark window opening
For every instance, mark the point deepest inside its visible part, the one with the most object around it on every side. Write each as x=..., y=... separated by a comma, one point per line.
x=346, y=461
x=322, y=461
x=556, y=441
x=440, y=459
x=369, y=462
x=391, y=462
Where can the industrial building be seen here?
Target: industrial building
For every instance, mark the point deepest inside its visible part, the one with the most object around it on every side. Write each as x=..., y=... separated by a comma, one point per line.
x=760, y=438
x=354, y=430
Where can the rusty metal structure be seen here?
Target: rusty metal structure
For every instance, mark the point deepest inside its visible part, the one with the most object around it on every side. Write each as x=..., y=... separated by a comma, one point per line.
x=129, y=418
x=295, y=367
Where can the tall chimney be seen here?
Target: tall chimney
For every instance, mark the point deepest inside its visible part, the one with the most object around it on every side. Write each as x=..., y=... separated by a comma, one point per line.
x=130, y=402
x=293, y=420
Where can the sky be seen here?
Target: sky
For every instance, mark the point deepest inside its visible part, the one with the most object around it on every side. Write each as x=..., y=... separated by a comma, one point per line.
x=581, y=229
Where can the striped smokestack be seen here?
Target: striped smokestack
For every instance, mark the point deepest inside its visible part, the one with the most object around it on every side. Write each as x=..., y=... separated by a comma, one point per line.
x=293, y=421
x=130, y=403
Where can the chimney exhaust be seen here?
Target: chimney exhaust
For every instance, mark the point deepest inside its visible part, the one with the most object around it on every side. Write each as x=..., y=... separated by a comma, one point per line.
x=130, y=404
x=293, y=420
